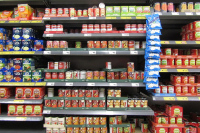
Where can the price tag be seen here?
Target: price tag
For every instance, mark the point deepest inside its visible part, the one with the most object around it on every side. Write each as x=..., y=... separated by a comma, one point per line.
x=49, y=35
x=112, y=84
x=109, y=112
x=87, y=34
x=25, y=21
x=46, y=18
x=159, y=13
x=135, y=84
x=92, y=17
x=18, y=101
x=199, y=98
x=197, y=42
x=164, y=70
x=21, y=118
x=140, y=17
x=182, y=98
x=92, y=52
x=2, y=21
x=90, y=84
x=66, y=52
x=110, y=17
x=50, y=84
x=74, y=18
x=197, y=13
x=169, y=98
x=125, y=34
x=175, y=13
x=125, y=17
x=47, y=52
x=13, y=21
x=112, y=52
x=182, y=70
x=133, y=52
x=40, y=84
x=180, y=42
x=69, y=84
x=164, y=42
x=46, y=111
x=188, y=13
x=38, y=21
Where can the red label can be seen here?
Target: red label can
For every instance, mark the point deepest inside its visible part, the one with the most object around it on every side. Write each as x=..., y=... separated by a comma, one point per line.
x=170, y=61
x=123, y=75
x=53, y=27
x=193, y=129
x=61, y=75
x=177, y=79
x=127, y=27
x=54, y=75
x=50, y=65
x=184, y=89
x=95, y=93
x=79, y=13
x=109, y=27
x=49, y=44
x=111, y=44
x=90, y=12
x=88, y=103
x=102, y=75
x=90, y=44
x=85, y=13
x=72, y=12
x=103, y=27
x=48, y=27
x=90, y=27
x=81, y=93
x=96, y=75
x=96, y=12
x=88, y=93
x=53, y=11
x=96, y=27
x=66, y=11
x=74, y=103
x=102, y=12
x=131, y=45
x=103, y=44
x=194, y=52
x=110, y=75
x=81, y=103
x=178, y=61
x=134, y=27
x=61, y=93
x=47, y=75
x=95, y=103
x=89, y=75
x=102, y=103
x=68, y=92
x=74, y=92
x=97, y=44
x=47, y=11
x=63, y=44
x=60, y=11
x=60, y=103
x=178, y=89
x=84, y=27
x=175, y=52
x=192, y=62
x=185, y=61
x=191, y=79
x=56, y=44
x=116, y=75
x=184, y=79
x=131, y=75
x=59, y=27
x=48, y=103
x=61, y=65
x=191, y=89
x=54, y=103
x=68, y=103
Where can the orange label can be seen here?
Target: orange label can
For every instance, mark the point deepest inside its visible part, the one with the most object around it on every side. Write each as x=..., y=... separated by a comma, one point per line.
x=82, y=120
x=97, y=44
x=102, y=75
x=103, y=44
x=68, y=120
x=75, y=120
x=96, y=74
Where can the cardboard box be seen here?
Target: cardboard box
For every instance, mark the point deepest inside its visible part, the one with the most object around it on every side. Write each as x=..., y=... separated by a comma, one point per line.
x=161, y=130
x=175, y=111
x=4, y=92
x=146, y=10
x=37, y=110
x=19, y=110
x=139, y=11
x=19, y=92
x=28, y=92
x=27, y=76
x=109, y=10
x=11, y=110
x=36, y=75
x=17, y=76
x=128, y=11
x=25, y=11
x=28, y=110
x=175, y=130
x=38, y=92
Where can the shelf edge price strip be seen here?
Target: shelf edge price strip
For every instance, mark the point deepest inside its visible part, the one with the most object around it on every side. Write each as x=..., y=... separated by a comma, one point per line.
x=50, y=84
x=18, y=101
x=69, y=84
x=169, y=98
x=46, y=111
x=112, y=84
x=90, y=84
x=182, y=98
x=20, y=118
x=182, y=70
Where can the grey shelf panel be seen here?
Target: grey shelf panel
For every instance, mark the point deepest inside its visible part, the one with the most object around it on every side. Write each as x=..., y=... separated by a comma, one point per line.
x=22, y=23
x=20, y=118
x=136, y=19
x=164, y=70
x=179, y=15
x=97, y=35
x=21, y=101
x=100, y=112
x=93, y=52
x=139, y=84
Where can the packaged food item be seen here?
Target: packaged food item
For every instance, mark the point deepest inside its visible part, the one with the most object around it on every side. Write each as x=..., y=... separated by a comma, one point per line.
x=28, y=111
x=19, y=110
x=8, y=76
x=27, y=76
x=9, y=45
x=37, y=110
x=24, y=11
x=17, y=45
x=11, y=110
x=17, y=75
x=38, y=45
x=17, y=33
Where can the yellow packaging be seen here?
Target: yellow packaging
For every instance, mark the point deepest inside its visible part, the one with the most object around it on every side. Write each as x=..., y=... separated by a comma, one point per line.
x=24, y=11
x=190, y=5
x=6, y=14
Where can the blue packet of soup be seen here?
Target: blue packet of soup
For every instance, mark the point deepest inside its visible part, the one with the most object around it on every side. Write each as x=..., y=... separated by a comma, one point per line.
x=153, y=21
x=27, y=45
x=153, y=32
x=152, y=86
x=153, y=49
x=17, y=44
x=151, y=74
x=153, y=37
x=27, y=33
x=152, y=55
x=9, y=45
x=153, y=43
x=152, y=68
x=150, y=80
x=152, y=62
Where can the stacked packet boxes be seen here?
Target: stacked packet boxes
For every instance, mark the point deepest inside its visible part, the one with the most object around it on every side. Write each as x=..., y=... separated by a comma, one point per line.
x=152, y=52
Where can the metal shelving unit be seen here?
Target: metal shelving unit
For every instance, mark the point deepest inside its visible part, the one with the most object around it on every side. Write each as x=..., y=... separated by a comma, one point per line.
x=21, y=53
x=20, y=118
x=100, y=112
x=12, y=100
x=96, y=35
x=163, y=70
x=22, y=23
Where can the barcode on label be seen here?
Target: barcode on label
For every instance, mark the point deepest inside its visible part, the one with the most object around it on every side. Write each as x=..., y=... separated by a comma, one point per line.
x=69, y=84
x=50, y=84
x=112, y=84
x=112, y=52
x=125, y=34
x=87, y=34
x=66, y=52
x=135, y=84
x=133, y=52
x=47, y=52
x=49, y=35
x=90, y=84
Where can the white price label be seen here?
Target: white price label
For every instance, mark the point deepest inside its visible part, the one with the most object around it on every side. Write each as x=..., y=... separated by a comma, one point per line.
x=47, y=52
x=112, y=84
x=197, y=13
x=133, y=52
x=135, y=84
x=92, y=52
x=69, y=84
x=74, y=18
x=175, y=13
x=92, y=17
x=109, y=112
x=50, y=83
x=159, y=13
x=49, y=35
x=90, y=84
x=66, y=52
x=112, y=52
x=87, y=34
x=46, y=111
x=125, y=34
x=189, y=13
x=46, y=18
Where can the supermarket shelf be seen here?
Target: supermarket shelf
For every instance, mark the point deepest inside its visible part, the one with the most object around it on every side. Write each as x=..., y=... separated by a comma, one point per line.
x=96, y=35
x=139, y=84
x=179, y=70
x=22, y=83
x=100, y=112
x=20, y=118
x=135, y=19
x=21, y=101
x=179, y=43
x=93, y=52
x=22, y=23
x=89, y=2
x=21, y=53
